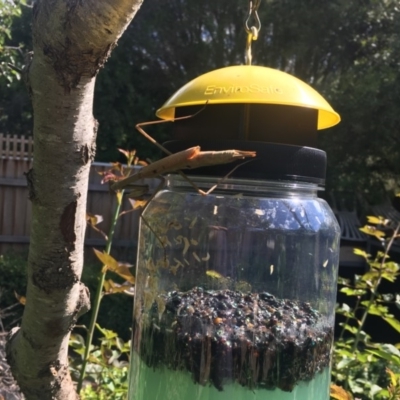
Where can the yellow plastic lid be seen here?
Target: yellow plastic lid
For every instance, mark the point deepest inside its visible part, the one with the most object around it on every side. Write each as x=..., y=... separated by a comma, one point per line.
x=250, y=84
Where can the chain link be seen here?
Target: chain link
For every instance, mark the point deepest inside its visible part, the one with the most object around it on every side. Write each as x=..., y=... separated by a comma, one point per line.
x=252, y=30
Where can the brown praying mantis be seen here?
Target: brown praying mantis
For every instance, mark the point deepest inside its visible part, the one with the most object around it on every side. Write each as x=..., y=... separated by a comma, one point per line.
x=187, y=159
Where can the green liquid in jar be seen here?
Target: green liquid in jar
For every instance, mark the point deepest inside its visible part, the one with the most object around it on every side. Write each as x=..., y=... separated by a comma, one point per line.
x=165, y=384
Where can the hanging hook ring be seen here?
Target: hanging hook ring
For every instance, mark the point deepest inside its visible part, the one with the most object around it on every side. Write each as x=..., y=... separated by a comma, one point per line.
x=253, y=30
x=253, y=7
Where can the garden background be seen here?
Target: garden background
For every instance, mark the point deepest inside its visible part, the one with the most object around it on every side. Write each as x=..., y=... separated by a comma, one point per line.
x=348, y=51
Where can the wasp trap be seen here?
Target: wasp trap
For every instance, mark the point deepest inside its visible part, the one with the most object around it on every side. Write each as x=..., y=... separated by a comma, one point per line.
x=236, y=288
x=237, y=262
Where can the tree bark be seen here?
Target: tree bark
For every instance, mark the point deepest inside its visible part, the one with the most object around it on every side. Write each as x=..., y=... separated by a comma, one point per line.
x=71, y=41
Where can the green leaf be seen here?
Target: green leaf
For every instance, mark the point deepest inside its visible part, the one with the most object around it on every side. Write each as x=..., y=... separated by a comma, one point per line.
x=364, y=357
x=341, y=346
x=343, y=281
x=385, y=355
x=364, y=337
x=361, y=253
x=76, y=341
x=389, y=276
x=391, y=266
x=390, y=349
x=127, y=347
x=108, y=261
x=375, y=389
x=80, y=351
x=351, y=329
x=359, y=282
x=393, y=322
x=381, y=254
x=376, y=220
x=375, y=309
x=344, y=363
x=119, y=343
x=108, y=334
x=371, y=276
x=346, y=307
x=346, y=354
x=345, y=310
x=372, y=231
x=353, y=292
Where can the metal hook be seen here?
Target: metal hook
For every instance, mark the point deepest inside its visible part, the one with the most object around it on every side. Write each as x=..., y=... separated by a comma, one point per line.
x=252, y=32
x=253, y=8
x=250, y=37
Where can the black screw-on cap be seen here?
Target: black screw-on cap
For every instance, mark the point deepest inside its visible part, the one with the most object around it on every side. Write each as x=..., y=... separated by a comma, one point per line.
x=273, y=161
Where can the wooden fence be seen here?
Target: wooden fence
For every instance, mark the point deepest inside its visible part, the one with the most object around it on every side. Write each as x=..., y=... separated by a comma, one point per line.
x=16, y=146
x=15, y=208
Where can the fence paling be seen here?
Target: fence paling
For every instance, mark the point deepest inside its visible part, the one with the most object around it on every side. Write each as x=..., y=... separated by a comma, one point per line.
x=15, y=208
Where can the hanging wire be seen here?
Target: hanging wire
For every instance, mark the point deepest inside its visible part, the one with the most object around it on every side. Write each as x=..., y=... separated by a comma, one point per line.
x=252, y=26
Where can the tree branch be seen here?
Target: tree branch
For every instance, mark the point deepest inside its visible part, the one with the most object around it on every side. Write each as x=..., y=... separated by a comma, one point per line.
x=78, y=37
x=72, y=40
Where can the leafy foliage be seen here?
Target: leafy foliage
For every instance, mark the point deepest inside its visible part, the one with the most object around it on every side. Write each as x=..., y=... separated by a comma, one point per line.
x=15, y=108
x=8, y=10
x=109, y=263
x=107, y=369
x=362, y=368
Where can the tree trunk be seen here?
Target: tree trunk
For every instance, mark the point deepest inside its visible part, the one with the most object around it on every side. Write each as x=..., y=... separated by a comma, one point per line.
x=72, y=40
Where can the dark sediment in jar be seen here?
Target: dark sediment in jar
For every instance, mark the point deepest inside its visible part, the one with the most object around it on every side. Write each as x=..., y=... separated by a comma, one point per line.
x=222, y=336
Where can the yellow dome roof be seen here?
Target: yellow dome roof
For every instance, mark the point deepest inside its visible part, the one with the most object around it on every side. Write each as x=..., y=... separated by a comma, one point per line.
x=250, y=84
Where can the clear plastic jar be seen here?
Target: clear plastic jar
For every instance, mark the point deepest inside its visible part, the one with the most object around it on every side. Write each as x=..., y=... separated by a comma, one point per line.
x=235, y=292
